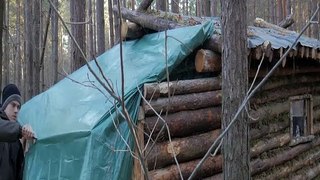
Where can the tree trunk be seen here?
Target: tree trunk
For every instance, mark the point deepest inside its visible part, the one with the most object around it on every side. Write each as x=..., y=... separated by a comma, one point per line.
x=36, y=34
x=7, y=48
x=116, y=21
x=211, y=166
x=184, y=123
x=90, y=53
x=55, y=44
x=100, y=27
x=184, y=102
x=234, y=87
x=28, y=50
x=77, y=14
x=214, y=7
x=2, y=17
x=161, y=5
x=110, y=12
x=19, y=45
x=144, y=5
x=175, y=6
x=259, y=165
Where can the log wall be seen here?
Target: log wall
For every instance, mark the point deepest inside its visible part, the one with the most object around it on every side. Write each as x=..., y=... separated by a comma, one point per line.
x=191, y=118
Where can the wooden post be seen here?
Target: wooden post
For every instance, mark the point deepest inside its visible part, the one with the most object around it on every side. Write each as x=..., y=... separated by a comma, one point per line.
x=137, y=169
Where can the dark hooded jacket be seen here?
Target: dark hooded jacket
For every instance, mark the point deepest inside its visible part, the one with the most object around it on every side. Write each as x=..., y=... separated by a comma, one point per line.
x=11, y=151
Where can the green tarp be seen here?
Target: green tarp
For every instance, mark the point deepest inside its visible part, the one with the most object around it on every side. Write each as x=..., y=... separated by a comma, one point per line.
x=75, y=120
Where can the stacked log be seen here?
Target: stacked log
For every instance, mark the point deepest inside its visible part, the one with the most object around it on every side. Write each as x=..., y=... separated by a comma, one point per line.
x=190, y=110
x=197, y=124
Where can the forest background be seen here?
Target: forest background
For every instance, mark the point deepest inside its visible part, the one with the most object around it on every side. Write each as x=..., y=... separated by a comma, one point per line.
x=36, y=50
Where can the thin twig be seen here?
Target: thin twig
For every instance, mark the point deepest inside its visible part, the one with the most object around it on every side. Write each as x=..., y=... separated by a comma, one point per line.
x=246, y=99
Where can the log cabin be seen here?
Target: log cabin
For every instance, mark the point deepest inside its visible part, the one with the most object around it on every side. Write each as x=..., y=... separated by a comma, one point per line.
x=284, y=114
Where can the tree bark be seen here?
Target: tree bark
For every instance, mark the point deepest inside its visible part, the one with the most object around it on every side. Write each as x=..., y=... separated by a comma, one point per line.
x=147, y=21
x=309, y=173
x=90, y=43
x=161, y=5
x=144, y=5
x=286, y=171
x=207, y=61
x=2, y=15
x=184, y=123
x=284, y=93
x=259, y=165
x=175, y=6
x=185, y=149
x=211, y=166
x=214, y=43
x=28, y=50
x=110, y=12
x=116, y=21
x=155, y=90
x=79, y=32
x=184, y=102
x=134, y=31
x=55, y=44
x=287, y=22
x=234, y=87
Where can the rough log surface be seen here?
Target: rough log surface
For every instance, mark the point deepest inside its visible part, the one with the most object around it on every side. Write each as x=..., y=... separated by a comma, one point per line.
x=155, y=90
x=284, y=93
x=287, y=170
x=186, y=149
x=310, y=173
x=285, y=71
x=214, y=43
x=185, y=123
x=287, y=22
x=184, y=102
x=210, y=167
x=260, y=165
x=147, y=21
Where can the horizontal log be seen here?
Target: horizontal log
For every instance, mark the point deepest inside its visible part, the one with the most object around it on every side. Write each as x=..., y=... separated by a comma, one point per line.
x=277, y=82
x=155, y=90
x=185, y=149
x=134, y=31
x=215, y=177
x=258, y=22
x=214, y=43
x=146, y=20
x=287, y=22
x=287, y=170
x=184, y=102
x=207, y=61
x=285, y=71
x=309, y=173
x=211, y=166
x=260, y=165
x=285, y=93
x=185, y=123
x=275, y=142
x=263, y=130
